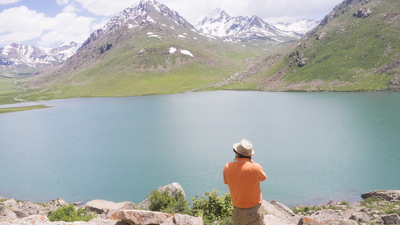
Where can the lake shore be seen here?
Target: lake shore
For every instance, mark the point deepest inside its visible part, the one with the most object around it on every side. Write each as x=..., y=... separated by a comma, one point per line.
x=377, y=207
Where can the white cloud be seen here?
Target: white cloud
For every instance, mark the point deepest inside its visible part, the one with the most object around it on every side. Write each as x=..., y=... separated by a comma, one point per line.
x=105, y=7
x=50, y=31
x=262, y=8
x=66, y=27
x=29, y=25
x=6, y=2
x=62, y=2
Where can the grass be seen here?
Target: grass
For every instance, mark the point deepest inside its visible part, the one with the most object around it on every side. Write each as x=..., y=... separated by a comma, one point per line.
x=352, y=55
x=24, y=108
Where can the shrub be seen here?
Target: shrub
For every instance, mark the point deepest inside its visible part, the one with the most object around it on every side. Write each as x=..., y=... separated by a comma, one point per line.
x=370, y=201
x=212, y=207
x=163, y=202
x=68, y=213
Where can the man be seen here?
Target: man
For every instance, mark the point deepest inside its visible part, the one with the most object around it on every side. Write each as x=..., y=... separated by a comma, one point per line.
x=243, y=178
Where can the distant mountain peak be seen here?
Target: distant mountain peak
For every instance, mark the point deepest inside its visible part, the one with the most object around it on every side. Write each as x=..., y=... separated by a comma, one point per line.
x=27, y=56
x=221, y=24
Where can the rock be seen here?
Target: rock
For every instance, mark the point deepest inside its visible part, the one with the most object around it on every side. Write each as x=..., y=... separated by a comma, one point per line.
x=173, y=190
x=360, y=217
x=43, y=220
x=390, y=195
x=11, y=204
x=363, y=13
x=308, y=221
x=320, y=35
x=283, y=207
x=107, y=207
x=180, y=219
x=56, y=203
x=391, y=219
x=140, y=216
x=6, y=214
x=339, y=222
x=326, y=214
x=273, y=220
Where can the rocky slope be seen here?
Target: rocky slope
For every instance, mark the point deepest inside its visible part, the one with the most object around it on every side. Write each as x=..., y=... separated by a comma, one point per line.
x=378, y=207
x=355, y=48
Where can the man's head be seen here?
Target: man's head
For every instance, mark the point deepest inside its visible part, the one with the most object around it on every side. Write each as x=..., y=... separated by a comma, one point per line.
x=244, y=147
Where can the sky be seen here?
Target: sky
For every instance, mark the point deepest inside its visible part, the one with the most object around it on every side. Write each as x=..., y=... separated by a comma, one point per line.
x=48, y=23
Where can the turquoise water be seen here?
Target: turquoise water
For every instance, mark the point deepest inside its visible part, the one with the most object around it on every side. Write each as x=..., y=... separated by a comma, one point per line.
x=314, y=147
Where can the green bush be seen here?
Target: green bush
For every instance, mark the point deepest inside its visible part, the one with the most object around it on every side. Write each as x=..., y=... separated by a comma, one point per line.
x=212, y=207
x=68, y=213
x=163, y=202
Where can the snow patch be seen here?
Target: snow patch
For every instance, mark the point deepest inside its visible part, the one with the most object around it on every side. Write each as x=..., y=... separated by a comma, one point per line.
x=181, y=36
x=186, y=52
x=172, y=50
x=130, y=26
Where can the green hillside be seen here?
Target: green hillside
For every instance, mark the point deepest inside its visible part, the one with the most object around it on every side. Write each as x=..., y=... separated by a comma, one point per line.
x=131, y=63
x=351, y=52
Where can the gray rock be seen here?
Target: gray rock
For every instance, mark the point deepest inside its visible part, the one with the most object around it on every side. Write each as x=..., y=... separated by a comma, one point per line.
x=11, y=204
x=43, y=220
x=180, y=219
x=389, y=195
x=363, y=13
x=107, y=207
x=274, y=220
x=6, y=214
x=391, y=219
x=360, y=217
x=140, y=216
x=339, y=222
x=327, y=214
x=283, y=207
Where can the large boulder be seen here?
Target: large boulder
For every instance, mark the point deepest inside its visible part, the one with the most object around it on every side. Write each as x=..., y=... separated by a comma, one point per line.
x=107, y=207
x=326, y=214
x=391, y=219
x=140, y=217
x=389, y=195
x=6, y=214
x=172, y=189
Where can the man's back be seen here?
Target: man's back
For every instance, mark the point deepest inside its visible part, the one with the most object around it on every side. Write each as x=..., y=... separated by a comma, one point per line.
x=243, y=178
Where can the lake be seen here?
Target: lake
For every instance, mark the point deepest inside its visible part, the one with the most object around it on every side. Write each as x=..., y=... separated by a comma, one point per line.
x=314, y=147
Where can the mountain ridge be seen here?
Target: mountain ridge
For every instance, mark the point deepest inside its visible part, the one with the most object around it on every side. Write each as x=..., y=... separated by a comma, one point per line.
x=24, y=56
x=221, y=24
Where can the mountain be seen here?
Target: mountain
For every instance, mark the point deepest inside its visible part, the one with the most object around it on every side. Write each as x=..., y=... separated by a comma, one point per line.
x=356, y=47
x=300, y=26
x=28, y=56
x=220, y=24
x=145, y=49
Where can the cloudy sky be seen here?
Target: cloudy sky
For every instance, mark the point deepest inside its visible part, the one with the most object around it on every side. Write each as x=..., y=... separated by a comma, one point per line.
x=48, y=23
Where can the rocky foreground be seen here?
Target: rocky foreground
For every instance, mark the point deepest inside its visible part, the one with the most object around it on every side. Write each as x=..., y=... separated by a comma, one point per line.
x=378, y=207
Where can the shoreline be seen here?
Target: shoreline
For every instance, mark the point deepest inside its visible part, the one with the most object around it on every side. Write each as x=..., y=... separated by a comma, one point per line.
x=377, y=207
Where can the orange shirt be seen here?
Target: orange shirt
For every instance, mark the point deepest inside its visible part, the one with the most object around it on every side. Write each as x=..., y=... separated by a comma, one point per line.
x=243, y=178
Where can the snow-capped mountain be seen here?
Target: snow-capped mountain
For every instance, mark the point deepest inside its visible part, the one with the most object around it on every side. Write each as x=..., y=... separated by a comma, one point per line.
x=147, y=11
x=299, y=26
x=219, y=23
x=28, y=56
